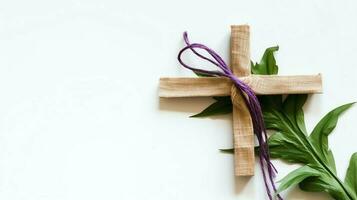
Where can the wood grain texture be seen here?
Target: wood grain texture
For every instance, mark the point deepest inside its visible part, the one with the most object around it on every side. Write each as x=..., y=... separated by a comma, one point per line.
x=240, y=50
x=243, y=136
x=243, y=133
x=194, y=87
x=261, y=84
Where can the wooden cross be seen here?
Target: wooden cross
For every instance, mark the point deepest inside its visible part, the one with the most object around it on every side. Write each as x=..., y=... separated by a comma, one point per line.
x=261, y=84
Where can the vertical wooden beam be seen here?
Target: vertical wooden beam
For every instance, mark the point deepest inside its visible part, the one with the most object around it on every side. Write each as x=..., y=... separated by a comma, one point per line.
x=243, y=134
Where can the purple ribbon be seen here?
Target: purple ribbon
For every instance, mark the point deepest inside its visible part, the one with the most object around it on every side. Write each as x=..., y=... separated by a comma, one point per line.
x=251, y=100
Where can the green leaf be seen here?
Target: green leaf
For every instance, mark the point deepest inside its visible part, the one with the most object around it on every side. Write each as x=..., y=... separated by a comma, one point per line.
x=223, y=105
x=271, y=102
x=292, y=144
x=296, y=176
x=267, y=65
x=287, y=148
x=351, y=175
x=230, y=151
x=202, y=75
x=293, y=108
x=312, y=184
x=326, y=183
x=331, y=161
x=319, y=136
x=227, y=99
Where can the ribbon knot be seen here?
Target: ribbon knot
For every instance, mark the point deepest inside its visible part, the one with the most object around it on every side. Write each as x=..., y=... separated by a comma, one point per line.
x=250, y=100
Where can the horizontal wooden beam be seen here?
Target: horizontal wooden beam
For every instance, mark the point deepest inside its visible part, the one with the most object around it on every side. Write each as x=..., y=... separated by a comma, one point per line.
x=261, y=84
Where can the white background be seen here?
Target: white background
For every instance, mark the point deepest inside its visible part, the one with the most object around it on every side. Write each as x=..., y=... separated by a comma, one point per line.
x=79, y=113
